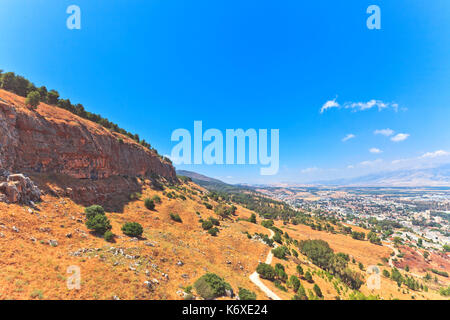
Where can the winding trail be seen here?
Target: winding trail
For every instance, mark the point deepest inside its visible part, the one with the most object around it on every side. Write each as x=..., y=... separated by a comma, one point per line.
x=254, y=277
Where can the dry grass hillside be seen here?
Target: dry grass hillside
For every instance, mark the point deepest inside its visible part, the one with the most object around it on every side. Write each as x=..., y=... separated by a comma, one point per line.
x=38, y=245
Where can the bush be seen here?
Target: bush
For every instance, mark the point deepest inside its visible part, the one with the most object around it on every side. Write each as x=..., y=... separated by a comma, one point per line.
x=295, y=283
x=299, y=270
x=99, y=223
x=93, y=211
x=280, y=252
x=132, y=229
x=108, y=236
x=301, y=294
x=207, y=224
x=252, y=218
x=210, y=286
x=156, y=199
x=208, y=206
x=175, y=217
x=214, y=221
x=245, y=294
x=308, y=277
x=266, y=271
x=317, y=291
x=213, y=231
x=149, y=204
x=33, y=99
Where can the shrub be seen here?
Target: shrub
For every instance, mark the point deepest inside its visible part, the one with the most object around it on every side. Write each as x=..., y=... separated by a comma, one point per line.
x=317, y=291
x=213, y=231
x=99, y=223
x=175, y=217
x=214, y=221
x=252, y=218
x=149, y=204
x=266, y=271
x=280, y=272
x=386, y=273
x=299, y=270
x=207, y=224
x=295, y=283
x=267, y=223
x=210, y=286
x=33, y=99
x=108, y=236
x=308, y=277
x=280, y=252
x=277, y=238
x=208, y=206
x=441, y=273
x=132, y=229
x=245, y=294
x=93, y=211
x=135, y=196
x=156, y=199
x=301, y=294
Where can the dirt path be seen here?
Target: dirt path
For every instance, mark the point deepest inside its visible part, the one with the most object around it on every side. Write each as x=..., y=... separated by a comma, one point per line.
x=254, y=277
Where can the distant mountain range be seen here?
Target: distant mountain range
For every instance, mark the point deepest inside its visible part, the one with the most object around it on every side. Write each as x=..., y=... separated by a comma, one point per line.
x=210, y=183
x=430, y=177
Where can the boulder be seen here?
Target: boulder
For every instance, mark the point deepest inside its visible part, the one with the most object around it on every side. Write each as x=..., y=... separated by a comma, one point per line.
x=19, y=189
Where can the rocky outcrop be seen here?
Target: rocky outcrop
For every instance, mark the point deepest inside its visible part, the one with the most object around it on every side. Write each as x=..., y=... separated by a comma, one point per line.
x=50, y=141
x=53, y=140
x=18, y=189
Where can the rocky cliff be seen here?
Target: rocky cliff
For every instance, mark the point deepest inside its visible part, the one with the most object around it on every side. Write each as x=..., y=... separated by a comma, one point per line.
x=50, y=140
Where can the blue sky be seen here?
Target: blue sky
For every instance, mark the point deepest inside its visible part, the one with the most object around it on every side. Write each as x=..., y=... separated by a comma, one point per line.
x=155, y=66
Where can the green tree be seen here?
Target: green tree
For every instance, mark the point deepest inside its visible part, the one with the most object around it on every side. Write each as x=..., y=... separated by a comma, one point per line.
x=132, y=229
x=93, y=210
x=317, y=291
x=210, y=286
x=295, y=283
x=299, y=270
x=108, y=236
x=99, y=223
x=53, y=97
x=33, y=99
x=252, y=218
x=308, y=277
x=245, y=294
x=266, y=271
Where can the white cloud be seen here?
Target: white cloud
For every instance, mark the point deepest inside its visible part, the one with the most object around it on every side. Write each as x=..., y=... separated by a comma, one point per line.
x=400, y=137
x=329, y=104
x=348, y=137
x=385, y=132
x=432, y=155
x=310, y=170
x=370, y=163
x=350, y=166
x=375, y=150
x=359, y=106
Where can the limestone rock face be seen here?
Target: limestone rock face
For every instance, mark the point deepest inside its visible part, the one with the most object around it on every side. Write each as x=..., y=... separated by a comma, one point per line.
x=52, y=140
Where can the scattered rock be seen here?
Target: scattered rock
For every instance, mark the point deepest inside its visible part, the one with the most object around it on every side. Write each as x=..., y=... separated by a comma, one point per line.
x=53, y=243
x=15, y=229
